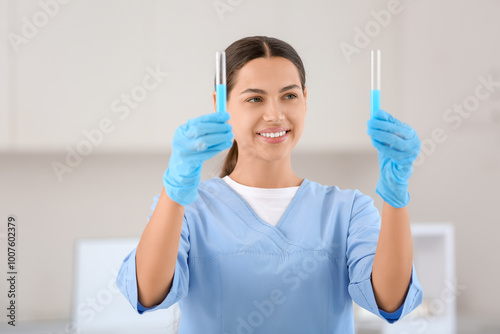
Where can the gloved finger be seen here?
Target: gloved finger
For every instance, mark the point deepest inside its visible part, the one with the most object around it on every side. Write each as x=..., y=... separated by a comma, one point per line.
x=218, y=117
x=204, y=155
x=393, y=140
x=213, y=140
x=385, y=116
x=398, y=173
x=208, y=141
x=402, y=130
x=394, y=154
x=209, y=152
x=220, y=147
x=402, y=171
x=202, y=129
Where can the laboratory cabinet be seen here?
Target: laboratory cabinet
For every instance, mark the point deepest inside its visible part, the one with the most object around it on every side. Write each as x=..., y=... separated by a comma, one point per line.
x=434, y=259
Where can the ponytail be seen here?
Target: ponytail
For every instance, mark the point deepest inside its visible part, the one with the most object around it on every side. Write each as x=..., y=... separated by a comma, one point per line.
x=230, y=161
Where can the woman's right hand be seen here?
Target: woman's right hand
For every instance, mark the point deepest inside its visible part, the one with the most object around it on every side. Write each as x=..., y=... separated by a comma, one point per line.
x=195, y=142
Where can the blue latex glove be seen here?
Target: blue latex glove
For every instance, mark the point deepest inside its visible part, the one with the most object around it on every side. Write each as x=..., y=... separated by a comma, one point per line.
x=398, y=146
x=195, y=142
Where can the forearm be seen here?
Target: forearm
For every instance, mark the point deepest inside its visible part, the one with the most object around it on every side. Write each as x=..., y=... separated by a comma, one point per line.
x=393, y=262
x=157, y=251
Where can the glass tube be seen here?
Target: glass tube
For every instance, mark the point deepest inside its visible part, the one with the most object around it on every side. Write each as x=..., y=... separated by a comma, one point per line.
x=375, y=84
x=220, y=80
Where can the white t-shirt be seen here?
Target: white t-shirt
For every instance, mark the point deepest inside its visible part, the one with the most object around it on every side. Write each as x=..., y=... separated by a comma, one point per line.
x=268, y=203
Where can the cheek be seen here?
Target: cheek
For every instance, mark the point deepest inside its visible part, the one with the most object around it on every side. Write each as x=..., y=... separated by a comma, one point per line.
x=298, y=123
x=297, y=118
x=242, y=128
x=244, y=121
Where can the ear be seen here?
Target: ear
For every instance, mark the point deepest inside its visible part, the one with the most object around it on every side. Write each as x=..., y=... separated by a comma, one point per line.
x=215, y=101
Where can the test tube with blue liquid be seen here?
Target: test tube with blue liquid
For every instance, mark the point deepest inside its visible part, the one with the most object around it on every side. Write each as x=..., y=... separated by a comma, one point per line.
x=375, y=89
x=220, y=81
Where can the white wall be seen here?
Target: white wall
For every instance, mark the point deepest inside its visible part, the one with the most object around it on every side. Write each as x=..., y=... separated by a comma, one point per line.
x=73, y=69
x=4, y=80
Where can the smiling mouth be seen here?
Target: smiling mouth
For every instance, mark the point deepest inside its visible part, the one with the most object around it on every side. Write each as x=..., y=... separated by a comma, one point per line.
x=274, y=135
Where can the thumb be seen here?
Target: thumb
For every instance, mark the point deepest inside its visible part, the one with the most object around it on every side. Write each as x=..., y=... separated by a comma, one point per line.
x=385, y=116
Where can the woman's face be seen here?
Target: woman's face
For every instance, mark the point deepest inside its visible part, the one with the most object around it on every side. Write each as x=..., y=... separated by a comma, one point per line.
x=267, y=98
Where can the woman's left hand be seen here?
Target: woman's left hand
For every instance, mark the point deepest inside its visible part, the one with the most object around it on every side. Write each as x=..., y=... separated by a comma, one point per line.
x=398, y=146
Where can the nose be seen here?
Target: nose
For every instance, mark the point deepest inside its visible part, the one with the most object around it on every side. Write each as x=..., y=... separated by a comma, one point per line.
x=274, y=113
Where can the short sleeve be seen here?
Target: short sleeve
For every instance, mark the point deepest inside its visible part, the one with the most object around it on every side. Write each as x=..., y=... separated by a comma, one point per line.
x=364, y=229
x=126, y=279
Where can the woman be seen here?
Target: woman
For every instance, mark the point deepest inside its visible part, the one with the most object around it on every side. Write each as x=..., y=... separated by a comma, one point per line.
x=260, y=249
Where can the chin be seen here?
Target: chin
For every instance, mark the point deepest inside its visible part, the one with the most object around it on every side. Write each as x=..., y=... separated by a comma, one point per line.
x=277, y=156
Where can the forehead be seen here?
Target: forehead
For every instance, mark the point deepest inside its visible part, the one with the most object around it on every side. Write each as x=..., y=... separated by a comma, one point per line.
x=268, y=72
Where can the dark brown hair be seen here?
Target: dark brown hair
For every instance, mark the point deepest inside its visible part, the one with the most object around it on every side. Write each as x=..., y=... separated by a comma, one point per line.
x=241, y=52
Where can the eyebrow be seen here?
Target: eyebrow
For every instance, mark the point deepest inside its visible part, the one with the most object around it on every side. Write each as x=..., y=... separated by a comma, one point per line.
x=263, y=92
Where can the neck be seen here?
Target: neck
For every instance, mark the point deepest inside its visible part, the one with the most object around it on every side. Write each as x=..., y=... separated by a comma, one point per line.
x=265, y=174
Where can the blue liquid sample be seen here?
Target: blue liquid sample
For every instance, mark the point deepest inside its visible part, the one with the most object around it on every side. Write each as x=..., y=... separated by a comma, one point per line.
x=220, y=93
x=374, y=101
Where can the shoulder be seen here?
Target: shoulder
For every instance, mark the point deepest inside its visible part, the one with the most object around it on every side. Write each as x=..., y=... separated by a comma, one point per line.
x=210, y=184
x=333, y=191
x=348, y=201
x=210, y=193
x=212, y=189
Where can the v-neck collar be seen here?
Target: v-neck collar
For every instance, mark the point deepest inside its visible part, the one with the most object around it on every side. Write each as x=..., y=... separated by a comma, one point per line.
x=242, y=208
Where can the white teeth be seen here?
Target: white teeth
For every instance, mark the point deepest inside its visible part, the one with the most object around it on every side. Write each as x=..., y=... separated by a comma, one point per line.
x=273, y=135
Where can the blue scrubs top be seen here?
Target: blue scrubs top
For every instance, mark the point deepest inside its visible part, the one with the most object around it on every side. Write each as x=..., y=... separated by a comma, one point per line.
x=235, y=273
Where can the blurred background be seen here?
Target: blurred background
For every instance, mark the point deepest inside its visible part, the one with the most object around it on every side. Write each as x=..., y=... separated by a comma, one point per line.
x=91, y=93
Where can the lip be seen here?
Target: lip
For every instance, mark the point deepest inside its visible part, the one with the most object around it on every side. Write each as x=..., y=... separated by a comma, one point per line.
x=273, y=130
x=275, y=140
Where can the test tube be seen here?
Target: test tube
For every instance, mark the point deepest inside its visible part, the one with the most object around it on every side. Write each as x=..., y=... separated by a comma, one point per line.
x=375, y=89
x=220, y=81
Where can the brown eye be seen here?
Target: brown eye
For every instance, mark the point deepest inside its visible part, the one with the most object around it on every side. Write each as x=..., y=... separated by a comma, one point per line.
x=253, y=98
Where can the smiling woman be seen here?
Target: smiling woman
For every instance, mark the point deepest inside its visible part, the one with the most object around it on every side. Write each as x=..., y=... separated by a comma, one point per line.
x=267, y=102
x=260, y=249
